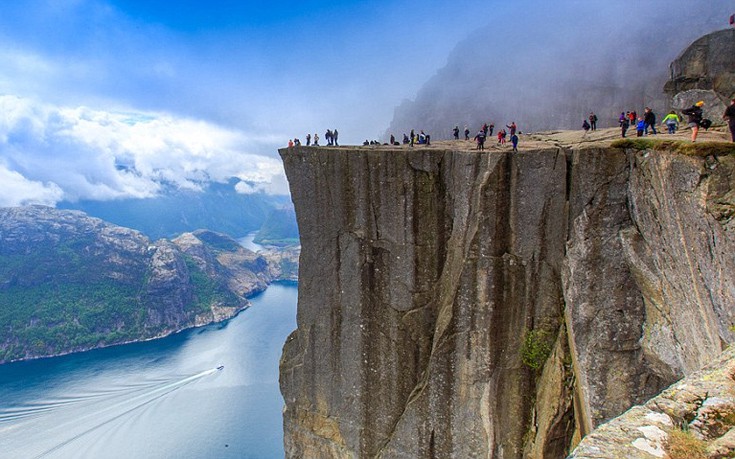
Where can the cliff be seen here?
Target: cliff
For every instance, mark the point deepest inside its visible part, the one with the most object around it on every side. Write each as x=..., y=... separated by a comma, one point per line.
x=454, y=303
x=69, y=282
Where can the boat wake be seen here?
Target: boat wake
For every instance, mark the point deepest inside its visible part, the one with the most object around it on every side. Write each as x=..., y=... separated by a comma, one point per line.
x=47, y=428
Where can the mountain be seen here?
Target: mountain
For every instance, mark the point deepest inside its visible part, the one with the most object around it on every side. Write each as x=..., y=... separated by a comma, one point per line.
x=280, y=228
x=70, y=282
x=548, y=68
x=218, y=208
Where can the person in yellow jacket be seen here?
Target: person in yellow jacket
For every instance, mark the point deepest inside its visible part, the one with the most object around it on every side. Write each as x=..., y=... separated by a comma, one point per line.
x=671, y=121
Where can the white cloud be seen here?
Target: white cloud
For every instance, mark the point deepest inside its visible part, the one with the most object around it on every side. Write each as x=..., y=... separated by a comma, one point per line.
x=19, y=191
x=82, y=153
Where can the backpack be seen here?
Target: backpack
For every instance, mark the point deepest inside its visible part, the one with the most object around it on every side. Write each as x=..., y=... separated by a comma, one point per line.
x=705, y=123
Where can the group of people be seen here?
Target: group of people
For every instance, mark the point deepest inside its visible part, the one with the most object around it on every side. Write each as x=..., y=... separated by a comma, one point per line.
x=642, y=124
x=330, y=135
x=487, y=130
x=694, y=114
x=590, y=124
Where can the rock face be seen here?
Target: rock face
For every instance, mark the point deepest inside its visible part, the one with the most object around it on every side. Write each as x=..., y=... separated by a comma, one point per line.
x=457, y=304
x=69, y=282
x=705, y=71
x=702, y=404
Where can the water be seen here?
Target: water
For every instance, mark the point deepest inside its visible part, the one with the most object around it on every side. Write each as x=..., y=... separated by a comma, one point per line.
x=158, y=399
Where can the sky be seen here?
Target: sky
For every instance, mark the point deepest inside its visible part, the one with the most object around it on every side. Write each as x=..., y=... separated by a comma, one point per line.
x=111, y=99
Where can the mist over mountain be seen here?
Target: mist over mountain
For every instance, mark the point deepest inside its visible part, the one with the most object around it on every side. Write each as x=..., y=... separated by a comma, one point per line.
x=218, y=208
x=550, y=66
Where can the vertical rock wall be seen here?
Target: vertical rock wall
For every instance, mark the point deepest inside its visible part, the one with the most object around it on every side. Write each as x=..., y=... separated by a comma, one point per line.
x=423, y=273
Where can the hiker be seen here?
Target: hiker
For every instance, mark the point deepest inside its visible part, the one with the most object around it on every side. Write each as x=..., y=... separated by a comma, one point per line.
x=405, y=139
x=501, y=136
x=730, y=117
x=512, y=127
x=485, y=128
x=624, y=124
x=640, y=127
x=316, y=140
x=514, y=141
x=290, y=143
x=308, y=139
x=455, y=132
x=585, y=126
x=490, y=129
x=671, y=121
x=632, y=117
x=593, y=121
x=297, y=142
x=392, y=139
x=649, y=119
x=480, y=139
x=335, y=134
x=694, y=118
x=328, y=136
x=466, y=133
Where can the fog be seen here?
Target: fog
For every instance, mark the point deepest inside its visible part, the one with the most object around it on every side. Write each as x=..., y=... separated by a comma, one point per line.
x=548, y=66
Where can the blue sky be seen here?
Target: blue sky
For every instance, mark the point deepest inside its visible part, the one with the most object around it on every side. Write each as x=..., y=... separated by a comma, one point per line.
x=86, y=84
x=107, y=99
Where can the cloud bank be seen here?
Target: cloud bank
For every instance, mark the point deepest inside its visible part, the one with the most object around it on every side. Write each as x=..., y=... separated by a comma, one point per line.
x=50, y=153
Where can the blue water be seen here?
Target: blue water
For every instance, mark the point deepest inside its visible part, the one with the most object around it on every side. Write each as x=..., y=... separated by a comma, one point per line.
x=158, y=399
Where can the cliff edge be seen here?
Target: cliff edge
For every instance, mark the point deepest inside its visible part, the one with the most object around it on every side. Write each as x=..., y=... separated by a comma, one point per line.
x=455, y=303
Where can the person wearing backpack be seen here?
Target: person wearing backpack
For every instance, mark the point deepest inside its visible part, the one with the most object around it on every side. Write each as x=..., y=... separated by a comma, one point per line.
x=694, y=118
x=593, y=121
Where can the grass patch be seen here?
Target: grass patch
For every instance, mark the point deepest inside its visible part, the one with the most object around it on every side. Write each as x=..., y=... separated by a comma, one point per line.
x=684, y=147
x=536, y=348
x=683, y=445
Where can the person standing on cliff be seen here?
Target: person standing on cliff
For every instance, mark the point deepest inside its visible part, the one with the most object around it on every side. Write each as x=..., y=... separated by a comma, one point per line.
x=694, y=118
x=730, y=117
x=649, y=119
x=413, y=136
x=671, y=121
x=480, y=139
x=514, y=141
x=335, y=134
x=308, y=139
x=640, y=128
x=466, y=133
x=593, y=121
x=490, y=129
x=455, y=132
x=624, y=125
x=316, y=140
x=512, y=127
